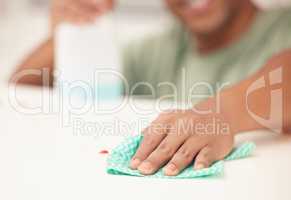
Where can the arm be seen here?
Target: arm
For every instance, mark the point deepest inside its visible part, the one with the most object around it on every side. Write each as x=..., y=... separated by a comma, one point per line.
x=245, y=109
x=42, y=60
x=177, y=138
x=37, y=69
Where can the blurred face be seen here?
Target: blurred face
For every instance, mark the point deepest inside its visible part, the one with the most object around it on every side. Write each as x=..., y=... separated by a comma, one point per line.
x=204, y=16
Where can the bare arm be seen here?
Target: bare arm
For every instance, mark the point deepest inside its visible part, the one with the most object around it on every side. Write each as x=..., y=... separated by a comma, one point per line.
x=263, y=101
x=37, y=69
x=41, y=60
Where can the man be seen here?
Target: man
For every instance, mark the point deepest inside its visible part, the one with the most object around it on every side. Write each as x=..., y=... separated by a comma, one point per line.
x=230, y=42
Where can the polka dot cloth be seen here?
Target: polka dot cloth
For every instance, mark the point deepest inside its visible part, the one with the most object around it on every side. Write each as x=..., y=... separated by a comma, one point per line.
x=120, y=157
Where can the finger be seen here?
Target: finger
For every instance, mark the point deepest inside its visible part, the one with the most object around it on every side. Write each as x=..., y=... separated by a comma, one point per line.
x=70, y=13
x=77, y=18
x=109, y=4
x=78, y=12
x=184, y=157
x=153, y=135
x=205, y=158
x=100, y=5
x=89, y=2
x=162, y=154
x=83, y=9
x=147, y=146
x=96, y=6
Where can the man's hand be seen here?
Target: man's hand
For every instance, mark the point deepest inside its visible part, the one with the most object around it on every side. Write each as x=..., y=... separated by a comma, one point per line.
x=78, y=11
x=177, y=138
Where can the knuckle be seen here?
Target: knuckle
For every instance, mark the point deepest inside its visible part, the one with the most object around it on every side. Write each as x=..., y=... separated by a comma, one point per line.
x=185, y=154
x=145, y=131
x=165, y=149
x=206, y=153
x=149, y=141
x=206, y=156
x=140, y=154
x=203, y=158
x=157, y=129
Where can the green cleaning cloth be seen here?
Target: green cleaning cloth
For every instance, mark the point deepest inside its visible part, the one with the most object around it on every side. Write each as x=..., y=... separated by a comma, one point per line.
x=118, y=161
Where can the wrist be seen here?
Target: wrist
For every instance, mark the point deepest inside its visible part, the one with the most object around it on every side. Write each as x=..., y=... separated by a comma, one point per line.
x=230, y=107
x=234, y=107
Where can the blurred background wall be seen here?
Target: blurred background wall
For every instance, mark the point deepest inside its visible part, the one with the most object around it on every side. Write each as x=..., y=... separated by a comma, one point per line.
x=24, y=23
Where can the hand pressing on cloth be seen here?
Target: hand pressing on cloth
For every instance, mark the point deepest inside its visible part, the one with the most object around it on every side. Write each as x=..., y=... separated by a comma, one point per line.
x=177, y=138
x=205, y=134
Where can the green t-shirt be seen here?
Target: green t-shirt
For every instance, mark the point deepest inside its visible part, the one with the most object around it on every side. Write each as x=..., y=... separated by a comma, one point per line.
x=169, y=63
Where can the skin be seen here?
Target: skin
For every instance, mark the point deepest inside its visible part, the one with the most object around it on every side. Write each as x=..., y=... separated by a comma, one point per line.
x=78, y=12
x=221, y=24
x=166, y=143
x=174, y=148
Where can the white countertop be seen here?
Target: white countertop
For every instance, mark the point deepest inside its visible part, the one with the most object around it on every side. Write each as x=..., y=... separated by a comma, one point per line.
x=41, y=159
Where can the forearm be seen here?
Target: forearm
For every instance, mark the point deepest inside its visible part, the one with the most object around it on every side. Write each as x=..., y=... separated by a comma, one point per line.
x=37, y=68
x=262, y=101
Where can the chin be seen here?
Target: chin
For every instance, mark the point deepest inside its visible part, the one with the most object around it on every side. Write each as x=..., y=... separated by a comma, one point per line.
x=207, y=25
x=202, y=16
